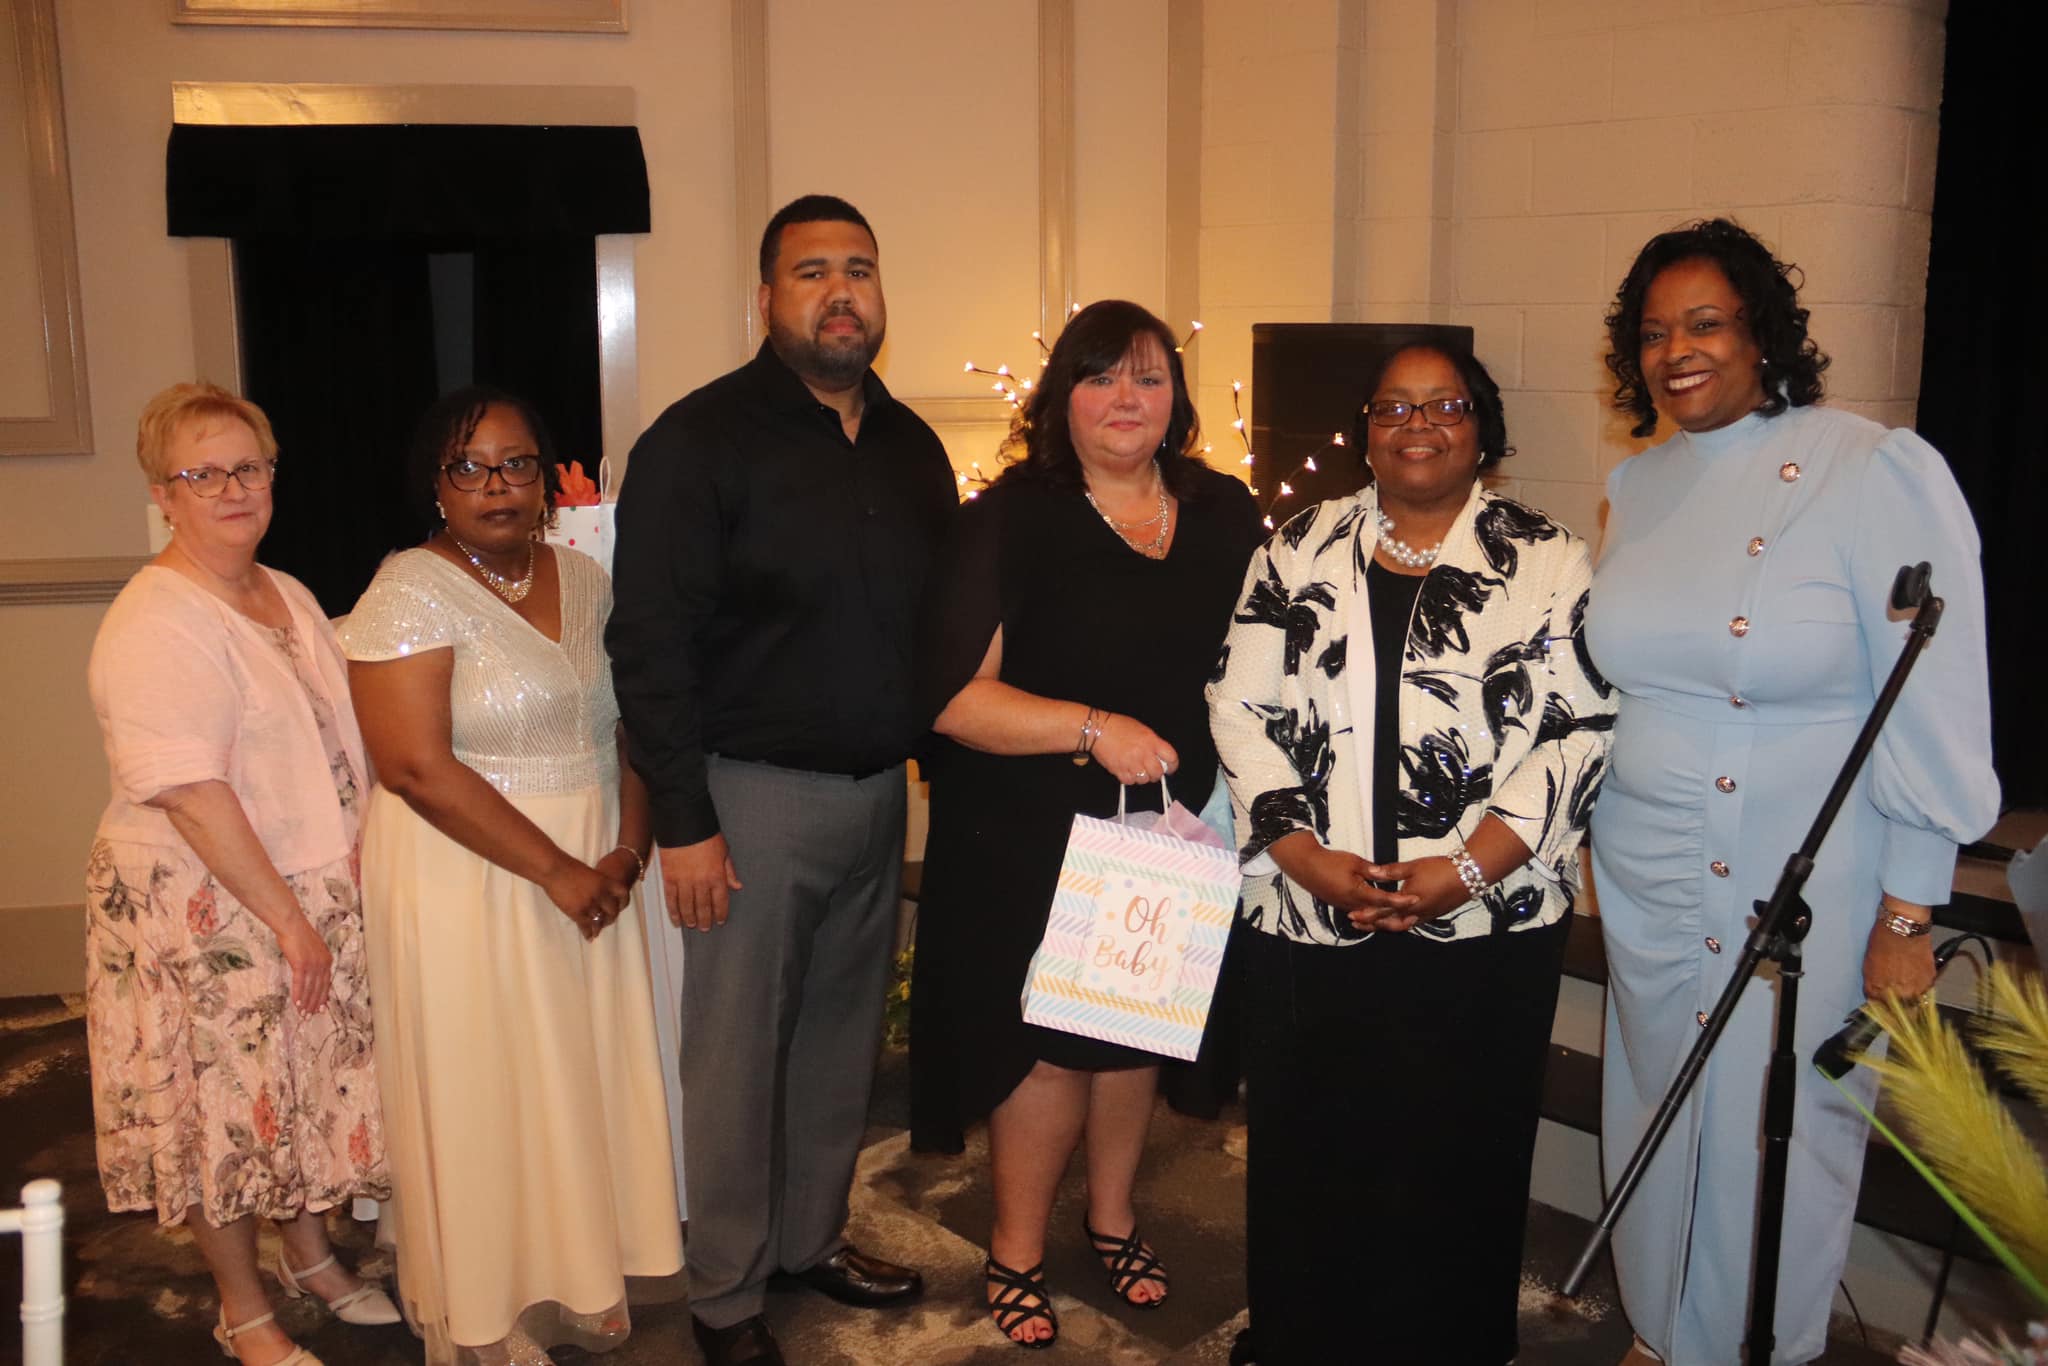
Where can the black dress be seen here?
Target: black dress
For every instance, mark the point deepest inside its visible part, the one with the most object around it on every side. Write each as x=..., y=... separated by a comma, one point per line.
x=1085, y=618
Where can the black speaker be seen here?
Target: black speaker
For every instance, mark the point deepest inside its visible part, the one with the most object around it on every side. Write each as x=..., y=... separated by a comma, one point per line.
x=1308, y=383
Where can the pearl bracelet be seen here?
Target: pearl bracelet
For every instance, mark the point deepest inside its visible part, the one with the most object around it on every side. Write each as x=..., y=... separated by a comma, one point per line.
x=1469, y=872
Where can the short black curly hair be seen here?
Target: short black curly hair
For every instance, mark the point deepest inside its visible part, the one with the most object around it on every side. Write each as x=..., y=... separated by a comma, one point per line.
x=1489, y=414
x=448, y=424
x=1769, y=290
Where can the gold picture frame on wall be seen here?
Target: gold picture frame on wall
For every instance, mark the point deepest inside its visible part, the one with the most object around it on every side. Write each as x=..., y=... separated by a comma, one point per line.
x=42, y=311
x=527, y=16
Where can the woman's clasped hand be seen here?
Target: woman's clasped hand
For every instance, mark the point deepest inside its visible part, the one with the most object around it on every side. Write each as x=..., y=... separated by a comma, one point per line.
x=591, y=895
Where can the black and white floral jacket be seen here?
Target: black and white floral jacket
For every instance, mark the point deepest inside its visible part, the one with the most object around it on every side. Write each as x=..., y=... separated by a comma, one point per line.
x=1500, y=709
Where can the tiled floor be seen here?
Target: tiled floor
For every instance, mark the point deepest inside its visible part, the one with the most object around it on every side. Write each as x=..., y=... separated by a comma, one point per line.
x=139, y=1294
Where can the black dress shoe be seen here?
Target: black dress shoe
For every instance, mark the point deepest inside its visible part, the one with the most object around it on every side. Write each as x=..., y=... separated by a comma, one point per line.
x=746, y=1343
x=852, y=1277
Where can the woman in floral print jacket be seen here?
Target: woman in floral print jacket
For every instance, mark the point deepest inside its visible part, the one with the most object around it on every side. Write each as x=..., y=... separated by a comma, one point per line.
x=1413, y=740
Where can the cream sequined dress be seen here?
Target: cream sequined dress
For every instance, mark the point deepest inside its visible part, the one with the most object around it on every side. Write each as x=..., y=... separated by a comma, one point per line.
x=524, y=1115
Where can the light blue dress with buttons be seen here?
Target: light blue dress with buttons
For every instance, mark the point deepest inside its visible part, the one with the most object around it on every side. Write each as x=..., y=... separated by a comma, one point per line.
x=1741, y=609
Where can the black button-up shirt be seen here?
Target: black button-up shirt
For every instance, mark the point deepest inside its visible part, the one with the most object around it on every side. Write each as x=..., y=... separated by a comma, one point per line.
x=767, y=576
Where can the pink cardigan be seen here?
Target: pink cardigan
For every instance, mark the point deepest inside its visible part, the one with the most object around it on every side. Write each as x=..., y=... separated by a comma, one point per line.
x=188, y=689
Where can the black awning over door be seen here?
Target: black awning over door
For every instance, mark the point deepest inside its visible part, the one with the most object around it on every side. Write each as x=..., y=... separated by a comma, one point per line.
x=404, y=180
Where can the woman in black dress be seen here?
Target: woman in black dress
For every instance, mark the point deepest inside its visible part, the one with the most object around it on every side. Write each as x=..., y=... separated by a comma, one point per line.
x=1075, y=615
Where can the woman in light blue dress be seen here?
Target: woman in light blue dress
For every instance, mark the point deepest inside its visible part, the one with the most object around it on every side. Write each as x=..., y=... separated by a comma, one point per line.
x=1740, y=608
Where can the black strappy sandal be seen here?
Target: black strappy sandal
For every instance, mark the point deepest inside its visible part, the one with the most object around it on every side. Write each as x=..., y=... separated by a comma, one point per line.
x=1130, y=1262
x=1010, y=1307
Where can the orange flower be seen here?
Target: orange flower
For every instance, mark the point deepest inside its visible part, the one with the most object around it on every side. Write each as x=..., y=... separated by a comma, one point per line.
x=202, y=911
x=359, y=1144
x=266, y=1119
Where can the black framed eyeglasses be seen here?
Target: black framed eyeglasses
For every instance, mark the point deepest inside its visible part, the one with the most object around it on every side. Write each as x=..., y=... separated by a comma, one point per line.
x=211, y=481
x=1438, y=412
x=471, y=475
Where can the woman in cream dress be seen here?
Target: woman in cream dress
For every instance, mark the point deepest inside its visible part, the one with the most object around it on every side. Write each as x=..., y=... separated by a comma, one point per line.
x=526, y=1122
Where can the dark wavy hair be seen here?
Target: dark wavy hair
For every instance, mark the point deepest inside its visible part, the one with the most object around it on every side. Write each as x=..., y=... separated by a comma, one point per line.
x=1093, y=342
x=810, y=208
x=1769, y=290
x=448, y=424
x=1488, y=412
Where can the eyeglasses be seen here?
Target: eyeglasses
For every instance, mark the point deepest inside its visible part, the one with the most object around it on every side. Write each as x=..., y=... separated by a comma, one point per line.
x=211, y=481
x=471, y=475
x=1438, y=412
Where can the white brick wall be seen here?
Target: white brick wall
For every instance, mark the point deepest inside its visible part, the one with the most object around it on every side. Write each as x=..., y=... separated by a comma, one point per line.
x=1586, y=126
x=1498, y=163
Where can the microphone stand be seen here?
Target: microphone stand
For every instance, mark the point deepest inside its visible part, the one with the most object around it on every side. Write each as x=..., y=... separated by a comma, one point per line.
x=1781, y=925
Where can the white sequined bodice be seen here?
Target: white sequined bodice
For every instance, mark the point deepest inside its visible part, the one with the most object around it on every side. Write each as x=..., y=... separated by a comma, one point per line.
x=531, y=716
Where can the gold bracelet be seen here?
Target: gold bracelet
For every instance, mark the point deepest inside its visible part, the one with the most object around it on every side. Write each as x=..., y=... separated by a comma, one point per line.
x=634, y=854
x=1905, y=926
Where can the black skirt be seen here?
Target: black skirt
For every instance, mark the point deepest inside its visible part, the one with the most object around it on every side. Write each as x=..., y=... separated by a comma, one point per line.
x=1392, y=1089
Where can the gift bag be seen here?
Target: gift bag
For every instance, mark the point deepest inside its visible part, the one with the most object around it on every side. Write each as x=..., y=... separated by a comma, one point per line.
x=583, y=513
x=1136, y=933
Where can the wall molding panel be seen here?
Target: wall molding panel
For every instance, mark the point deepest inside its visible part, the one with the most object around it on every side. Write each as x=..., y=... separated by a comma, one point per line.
x=64, y=425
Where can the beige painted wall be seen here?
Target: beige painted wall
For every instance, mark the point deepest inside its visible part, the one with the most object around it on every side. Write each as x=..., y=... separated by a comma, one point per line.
x=927, y=117
x=119, y=60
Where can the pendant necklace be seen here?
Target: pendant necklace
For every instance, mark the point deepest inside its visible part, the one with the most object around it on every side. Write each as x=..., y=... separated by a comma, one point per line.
x=510, y=589
x=1156, y=548
x=1399, y=551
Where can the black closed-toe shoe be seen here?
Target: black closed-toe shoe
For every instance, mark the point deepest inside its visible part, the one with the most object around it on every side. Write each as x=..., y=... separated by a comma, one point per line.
x=852, y=1277
x=746, y=1343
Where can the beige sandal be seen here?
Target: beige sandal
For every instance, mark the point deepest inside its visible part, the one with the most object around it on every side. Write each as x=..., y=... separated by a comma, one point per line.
x=367, y=1304
x=226, y=1336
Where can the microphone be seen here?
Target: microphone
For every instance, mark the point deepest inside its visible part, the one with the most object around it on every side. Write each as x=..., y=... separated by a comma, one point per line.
x=1838, y=1055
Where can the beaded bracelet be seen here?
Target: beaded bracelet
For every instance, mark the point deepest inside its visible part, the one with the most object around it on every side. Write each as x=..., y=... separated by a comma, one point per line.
x=1469, y=872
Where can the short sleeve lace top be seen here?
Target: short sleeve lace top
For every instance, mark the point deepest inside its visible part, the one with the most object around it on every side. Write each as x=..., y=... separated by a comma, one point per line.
x=532, y=716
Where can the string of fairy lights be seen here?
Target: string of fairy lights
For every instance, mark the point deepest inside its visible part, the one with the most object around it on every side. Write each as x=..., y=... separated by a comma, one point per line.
x=1015, y=391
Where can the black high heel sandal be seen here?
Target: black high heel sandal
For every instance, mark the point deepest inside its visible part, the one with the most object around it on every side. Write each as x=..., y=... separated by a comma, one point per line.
x=1010, y=1308
x=1130, y=1263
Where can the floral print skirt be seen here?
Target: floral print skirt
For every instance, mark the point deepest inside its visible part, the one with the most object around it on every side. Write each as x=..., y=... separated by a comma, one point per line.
x=210, y=1088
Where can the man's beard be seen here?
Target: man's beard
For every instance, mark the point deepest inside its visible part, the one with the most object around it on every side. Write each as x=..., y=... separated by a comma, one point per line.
x=837, y=364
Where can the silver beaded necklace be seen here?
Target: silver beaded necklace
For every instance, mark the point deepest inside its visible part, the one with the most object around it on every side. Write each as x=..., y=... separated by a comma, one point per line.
x=1399, y=551
x=510, y=589
x=1156, y=549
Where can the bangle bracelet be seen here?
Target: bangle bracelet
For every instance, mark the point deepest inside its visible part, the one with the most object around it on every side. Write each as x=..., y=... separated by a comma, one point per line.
x=634, y=854
x=1469, y=872
x=1091, y=731
x=1905, y=926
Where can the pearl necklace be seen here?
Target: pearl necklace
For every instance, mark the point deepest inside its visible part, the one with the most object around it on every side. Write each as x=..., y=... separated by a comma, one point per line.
x=510, y=589
x=1156, y=549
x=1399, y=551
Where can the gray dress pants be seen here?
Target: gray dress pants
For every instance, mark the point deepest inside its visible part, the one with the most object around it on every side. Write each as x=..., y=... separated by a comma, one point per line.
x=782, y=1013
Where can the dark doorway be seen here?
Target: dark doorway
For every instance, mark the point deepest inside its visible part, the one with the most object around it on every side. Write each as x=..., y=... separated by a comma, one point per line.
x=377, y=266
x=346, y=342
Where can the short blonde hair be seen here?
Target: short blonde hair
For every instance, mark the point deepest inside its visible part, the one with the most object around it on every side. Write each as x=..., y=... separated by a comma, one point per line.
x=181, y=405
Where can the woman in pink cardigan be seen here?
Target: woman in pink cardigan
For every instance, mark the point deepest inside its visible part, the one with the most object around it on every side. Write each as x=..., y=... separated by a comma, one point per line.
x=226, y=1010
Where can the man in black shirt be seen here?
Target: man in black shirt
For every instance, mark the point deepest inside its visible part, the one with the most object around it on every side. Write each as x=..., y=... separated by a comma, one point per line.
x=773, y=534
